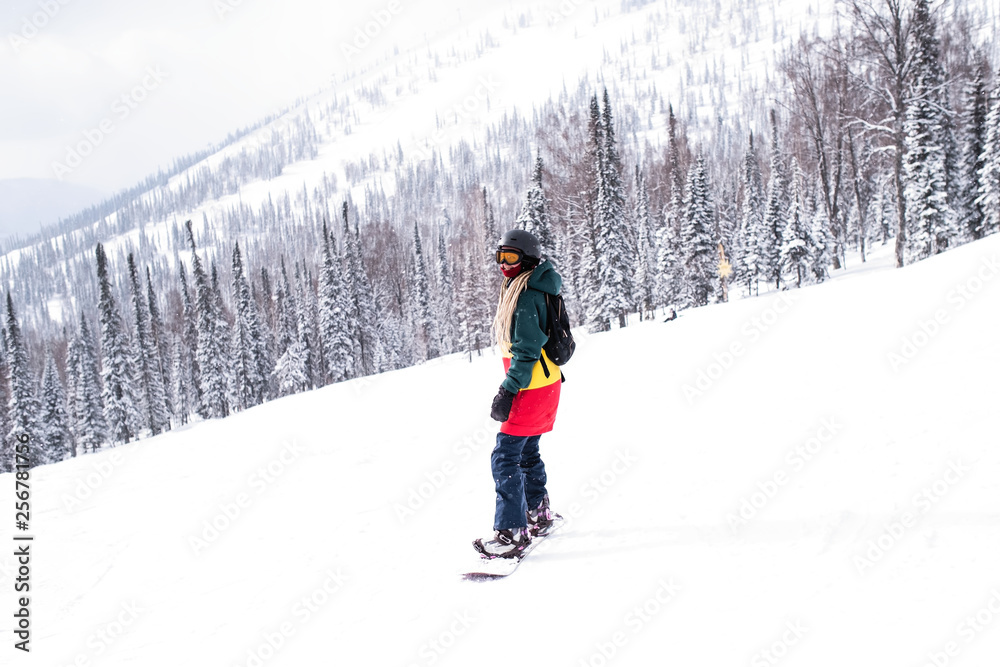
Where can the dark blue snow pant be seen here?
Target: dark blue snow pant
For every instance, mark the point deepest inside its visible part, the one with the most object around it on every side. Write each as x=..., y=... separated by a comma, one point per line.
x=519, y=475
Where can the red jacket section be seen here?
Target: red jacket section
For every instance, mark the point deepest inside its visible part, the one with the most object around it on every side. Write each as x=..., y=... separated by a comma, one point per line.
x=534, y=408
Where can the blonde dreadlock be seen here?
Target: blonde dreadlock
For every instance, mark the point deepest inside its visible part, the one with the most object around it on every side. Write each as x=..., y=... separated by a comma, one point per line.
x=510, y=291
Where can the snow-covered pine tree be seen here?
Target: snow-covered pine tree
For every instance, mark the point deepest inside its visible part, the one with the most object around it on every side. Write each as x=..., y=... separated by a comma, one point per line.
x=970, y=212
x=490, y=234
x=187, y=374
x=264, y=347
x=181, y=373
x=160, y=342
x=120, y=412
x=821, y=245
x=290, y=370
x=534, y=215
x=927, y=125
x=57, y=439
x=445, y=311
x=70, y=388
x=334, y=333
x=989, y=174
x=697, y=236
x=572, y=270
x=481, y=277
x=881, y=210
x=674, y=134
x=146, y=364
x=247, y=344
x=615, y=253
x=487, y=291
x=267, y=301
x=669, y=268
x=591, y=295
x=350, y=265
x=381, y=354
x=486, y=267
x=465, y=307
x=770, y=239
x=303, y=324
x=397, y=339
x=22, y=407
x=221, y=336
x=645, y=261
x=210, y=364
x=562, y=252
x=264, y=298
x=729, y=216
x=325, y=299
x=746, y=255
x=88, y=423
x=420, y=293
x=669, y=279
x=368, y=306
x=590, y=289
x=795, y=236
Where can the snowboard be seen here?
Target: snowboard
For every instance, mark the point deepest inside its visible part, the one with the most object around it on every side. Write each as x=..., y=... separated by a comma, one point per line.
x=497, y=568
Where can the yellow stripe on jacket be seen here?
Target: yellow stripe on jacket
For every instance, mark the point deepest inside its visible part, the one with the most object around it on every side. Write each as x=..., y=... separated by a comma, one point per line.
x=538, y=378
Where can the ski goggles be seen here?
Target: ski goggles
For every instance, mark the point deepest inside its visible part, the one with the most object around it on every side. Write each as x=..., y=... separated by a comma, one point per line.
x=509, y=256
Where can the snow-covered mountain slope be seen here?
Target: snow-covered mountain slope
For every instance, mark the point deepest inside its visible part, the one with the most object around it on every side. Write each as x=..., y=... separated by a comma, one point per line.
x=498, y=61
x=808, y=478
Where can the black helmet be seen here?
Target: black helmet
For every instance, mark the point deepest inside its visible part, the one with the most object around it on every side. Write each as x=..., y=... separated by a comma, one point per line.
x=523, y=241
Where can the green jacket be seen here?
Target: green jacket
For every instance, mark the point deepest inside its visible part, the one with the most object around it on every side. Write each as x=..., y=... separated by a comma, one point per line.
x=528, y=325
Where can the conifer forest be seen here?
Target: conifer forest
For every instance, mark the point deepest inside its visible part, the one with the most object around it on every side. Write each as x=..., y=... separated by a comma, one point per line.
x=198, y=293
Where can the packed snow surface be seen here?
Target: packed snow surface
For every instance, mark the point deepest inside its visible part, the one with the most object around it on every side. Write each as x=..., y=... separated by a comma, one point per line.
x=807, y=478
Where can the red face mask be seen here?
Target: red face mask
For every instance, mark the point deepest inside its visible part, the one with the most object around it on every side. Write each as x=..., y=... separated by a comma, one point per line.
x=510, y=271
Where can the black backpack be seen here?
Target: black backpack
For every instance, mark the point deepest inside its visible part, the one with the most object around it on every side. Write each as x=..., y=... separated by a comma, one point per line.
x=560, y=346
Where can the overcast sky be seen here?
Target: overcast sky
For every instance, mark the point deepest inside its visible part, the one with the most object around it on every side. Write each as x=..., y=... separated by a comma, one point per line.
x=135, y=84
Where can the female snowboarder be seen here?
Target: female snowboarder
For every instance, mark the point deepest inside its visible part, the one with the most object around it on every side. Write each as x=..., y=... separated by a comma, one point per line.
x=528, y=398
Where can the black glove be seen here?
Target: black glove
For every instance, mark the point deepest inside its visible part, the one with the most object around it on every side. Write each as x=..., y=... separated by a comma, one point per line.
x=501, y=405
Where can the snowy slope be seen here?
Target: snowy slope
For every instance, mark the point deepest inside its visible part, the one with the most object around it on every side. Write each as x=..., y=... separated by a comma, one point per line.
x=869, y=531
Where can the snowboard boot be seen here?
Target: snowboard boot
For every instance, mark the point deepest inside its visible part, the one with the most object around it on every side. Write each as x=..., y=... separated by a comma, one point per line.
x=541, y=518
x=507, y=543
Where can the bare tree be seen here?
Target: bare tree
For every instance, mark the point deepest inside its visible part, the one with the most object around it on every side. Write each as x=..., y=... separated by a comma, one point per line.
x=817, y=105
x=882, y=32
